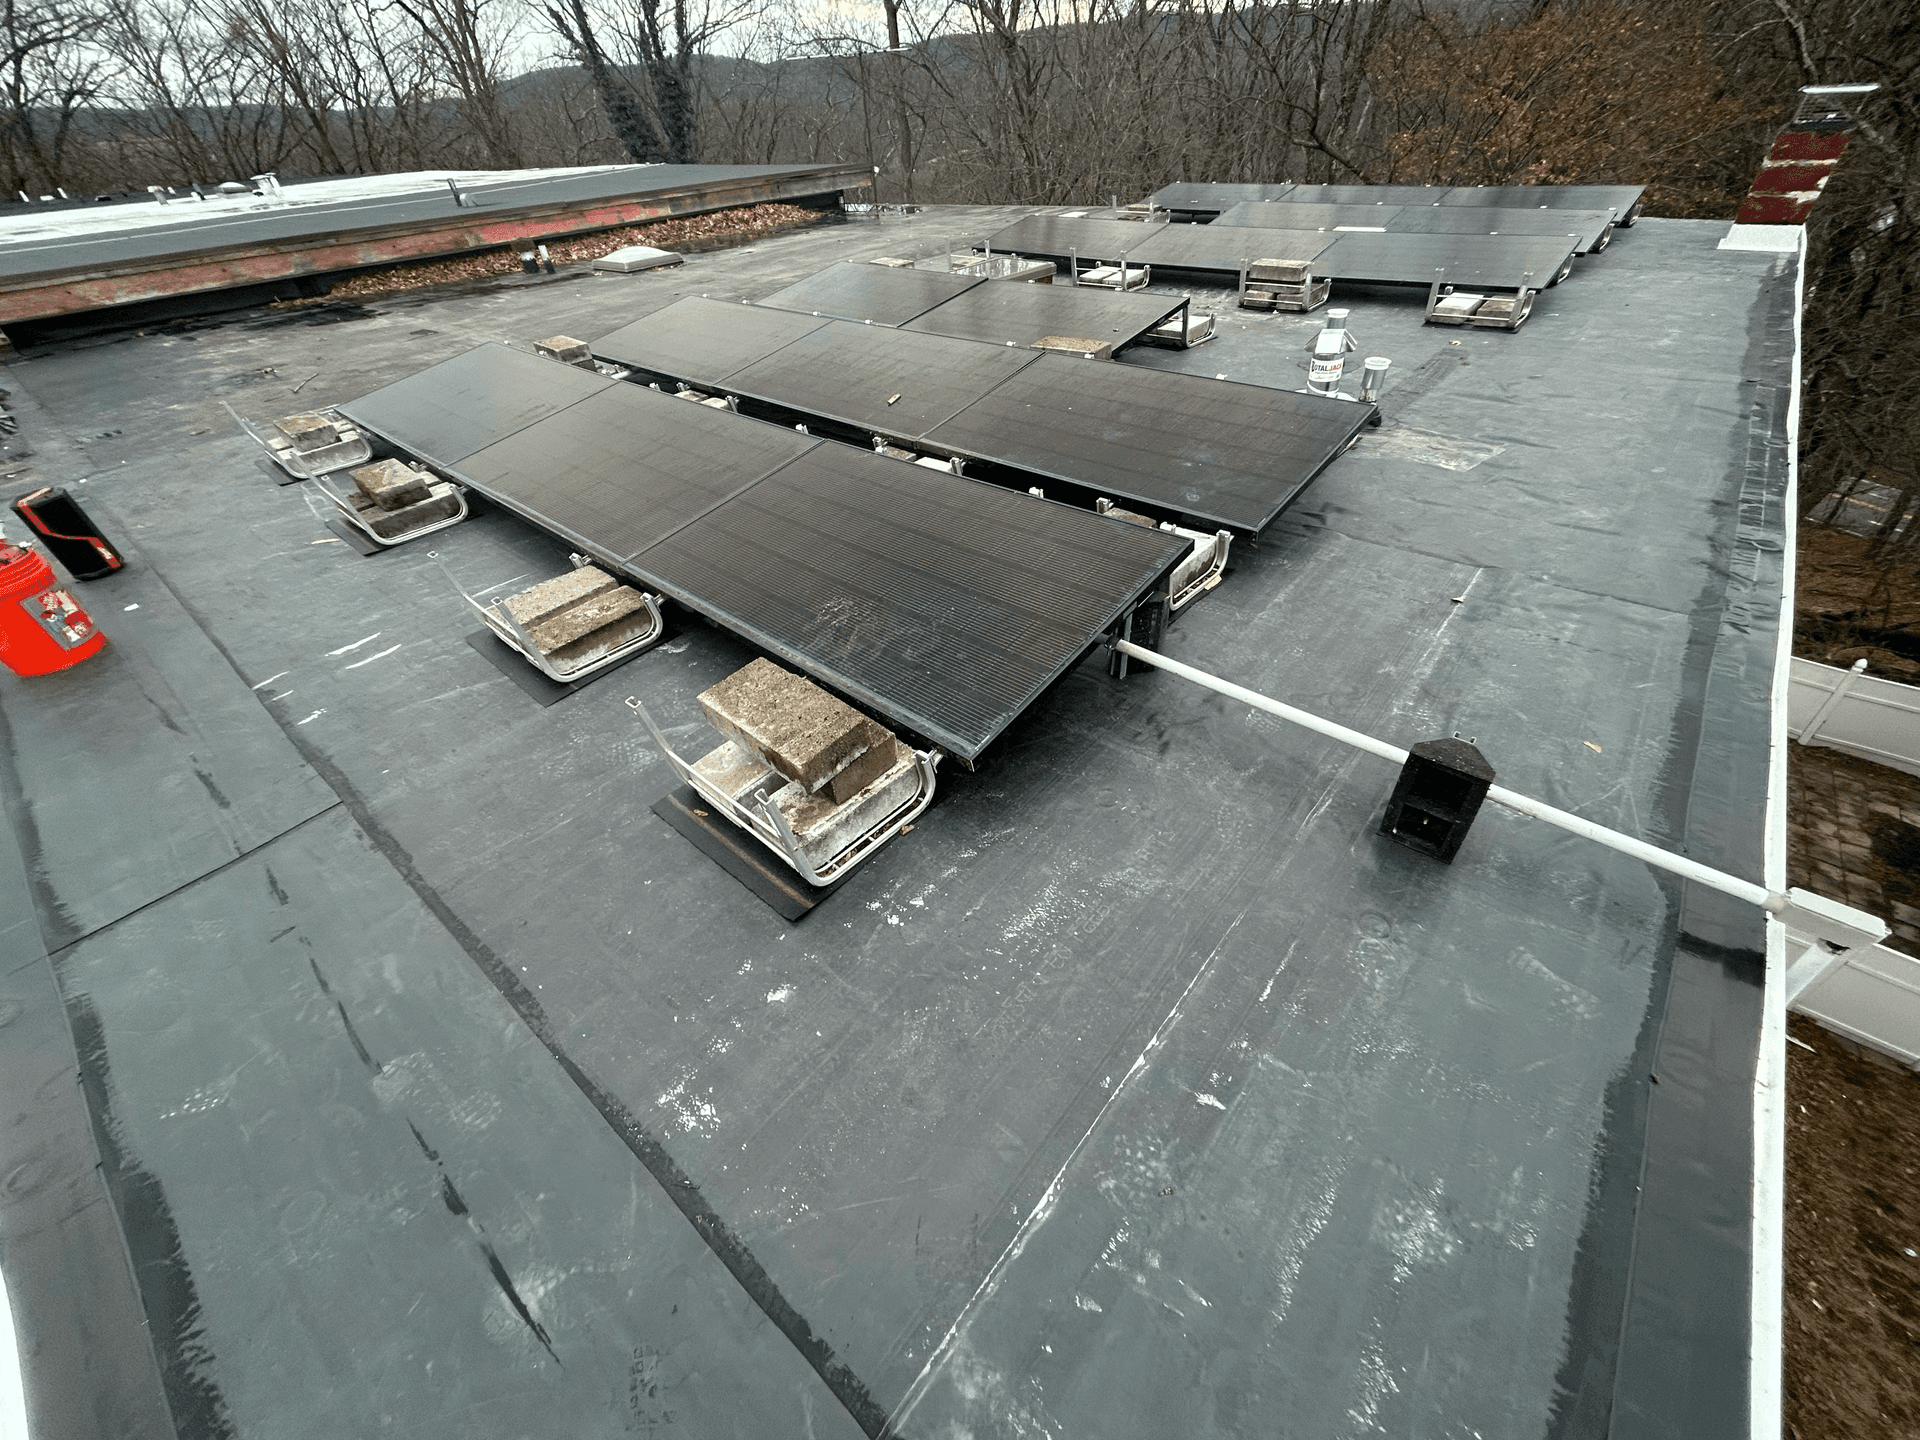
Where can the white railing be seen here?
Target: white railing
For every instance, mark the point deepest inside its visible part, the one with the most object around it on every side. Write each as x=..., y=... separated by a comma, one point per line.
x=1855, y=713
x=1872, y=995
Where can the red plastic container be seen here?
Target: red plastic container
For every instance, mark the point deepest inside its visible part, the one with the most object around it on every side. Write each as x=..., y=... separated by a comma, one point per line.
x=42, y=627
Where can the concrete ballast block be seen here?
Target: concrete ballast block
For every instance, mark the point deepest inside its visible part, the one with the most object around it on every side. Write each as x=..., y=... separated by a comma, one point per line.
x=441, y=504
x=550, y=597
x=309, y=431
x=798, y=728
x=565, y=349
x=392, y=484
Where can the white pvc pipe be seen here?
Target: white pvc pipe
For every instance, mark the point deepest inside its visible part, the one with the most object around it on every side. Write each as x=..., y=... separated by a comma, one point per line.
x=1499, y=794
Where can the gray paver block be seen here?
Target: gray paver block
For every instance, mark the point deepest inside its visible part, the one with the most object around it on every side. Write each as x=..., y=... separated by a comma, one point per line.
x=803, y=732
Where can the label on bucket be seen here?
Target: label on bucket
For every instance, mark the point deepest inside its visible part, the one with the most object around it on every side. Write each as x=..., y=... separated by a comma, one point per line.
x=61, y=616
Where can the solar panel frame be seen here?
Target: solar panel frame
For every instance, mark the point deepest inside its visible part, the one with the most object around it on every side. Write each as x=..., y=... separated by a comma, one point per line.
x=1591, y=227
x=1057, y=236
x=1623, y=200
x=881, y=294
x=448, y=411
x=1197, y=447
x=1009, y=312
x=701, y=341
x=943, y=604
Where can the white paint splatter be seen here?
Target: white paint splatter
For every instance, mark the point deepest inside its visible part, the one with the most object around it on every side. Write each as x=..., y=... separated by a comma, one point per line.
x=271, y=678
x=315, y=716
x=1086, y=1304
x=380, y=655
x=1206, y=1099
x=356, y=644
x=780, y=996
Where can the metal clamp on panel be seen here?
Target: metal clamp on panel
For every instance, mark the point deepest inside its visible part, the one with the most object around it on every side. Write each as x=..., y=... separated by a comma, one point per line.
x=1493, y=309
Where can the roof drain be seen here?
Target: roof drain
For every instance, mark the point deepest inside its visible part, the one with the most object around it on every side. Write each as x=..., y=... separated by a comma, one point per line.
x=1444, y=780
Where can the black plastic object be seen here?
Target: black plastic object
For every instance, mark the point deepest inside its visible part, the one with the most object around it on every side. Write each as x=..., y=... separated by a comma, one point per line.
x=742, y=857
x=1436, y=797
x=58, y=522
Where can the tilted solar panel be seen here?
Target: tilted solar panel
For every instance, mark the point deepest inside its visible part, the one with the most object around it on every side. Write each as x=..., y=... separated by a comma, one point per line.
x=946, y=605
x=1200, y=197
x=626, y=467
x=1225, y=453
x=450, y=410
x=892, y=382
x=880, y=293
x=1009, y=312
x=1592, y=228
x=703, y=341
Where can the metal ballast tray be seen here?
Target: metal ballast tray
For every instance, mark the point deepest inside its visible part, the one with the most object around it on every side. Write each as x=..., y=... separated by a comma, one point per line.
x=880, y=294
x=1592, y=228
x=1236, y=471
x=1533, y=261
x=945, y=604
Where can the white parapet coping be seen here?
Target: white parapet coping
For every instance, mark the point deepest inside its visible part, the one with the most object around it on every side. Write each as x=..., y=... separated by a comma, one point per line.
x=1778, y=239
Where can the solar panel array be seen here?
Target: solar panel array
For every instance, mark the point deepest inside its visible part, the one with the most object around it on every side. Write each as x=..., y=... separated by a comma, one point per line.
x=944, y=604
x=1592, y=229
x=1199, y=197
x=1512, y=261
x=1219, y=452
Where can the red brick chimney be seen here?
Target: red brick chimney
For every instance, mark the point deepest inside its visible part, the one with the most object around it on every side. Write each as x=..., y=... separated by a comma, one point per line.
x=1796, y=169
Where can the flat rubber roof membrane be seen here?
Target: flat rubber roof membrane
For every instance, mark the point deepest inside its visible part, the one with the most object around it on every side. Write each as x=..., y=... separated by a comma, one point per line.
x=1592, y=227
x=626, y=467
x=1226, y=453
x=880, y=293
x=1010, y=312
x=703, y=341
x=943, y=603
x=448, y=411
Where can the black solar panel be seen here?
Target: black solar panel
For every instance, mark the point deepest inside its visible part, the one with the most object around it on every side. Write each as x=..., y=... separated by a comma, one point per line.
x=703, y=341
x=1013, y=312
x=1204, y=197
x=1623, y=200
x=892, y=382
x=880, y=293
x=1180, y=247
x=626, y=467
x=1057, y=236
x=447, y=412
x=946, y=605
x=1591, y=227
x=1395, y=259
x=1225, y=453
x=1223, y=250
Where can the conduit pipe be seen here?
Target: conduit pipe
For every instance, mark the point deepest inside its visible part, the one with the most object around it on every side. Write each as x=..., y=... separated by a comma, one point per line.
x=1772, y=901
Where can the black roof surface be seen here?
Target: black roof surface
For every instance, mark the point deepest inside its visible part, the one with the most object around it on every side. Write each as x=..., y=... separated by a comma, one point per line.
x=430, y=1084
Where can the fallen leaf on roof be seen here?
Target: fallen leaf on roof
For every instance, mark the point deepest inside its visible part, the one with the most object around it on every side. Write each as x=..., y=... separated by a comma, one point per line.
x=892, y=398
x=1593, y=747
